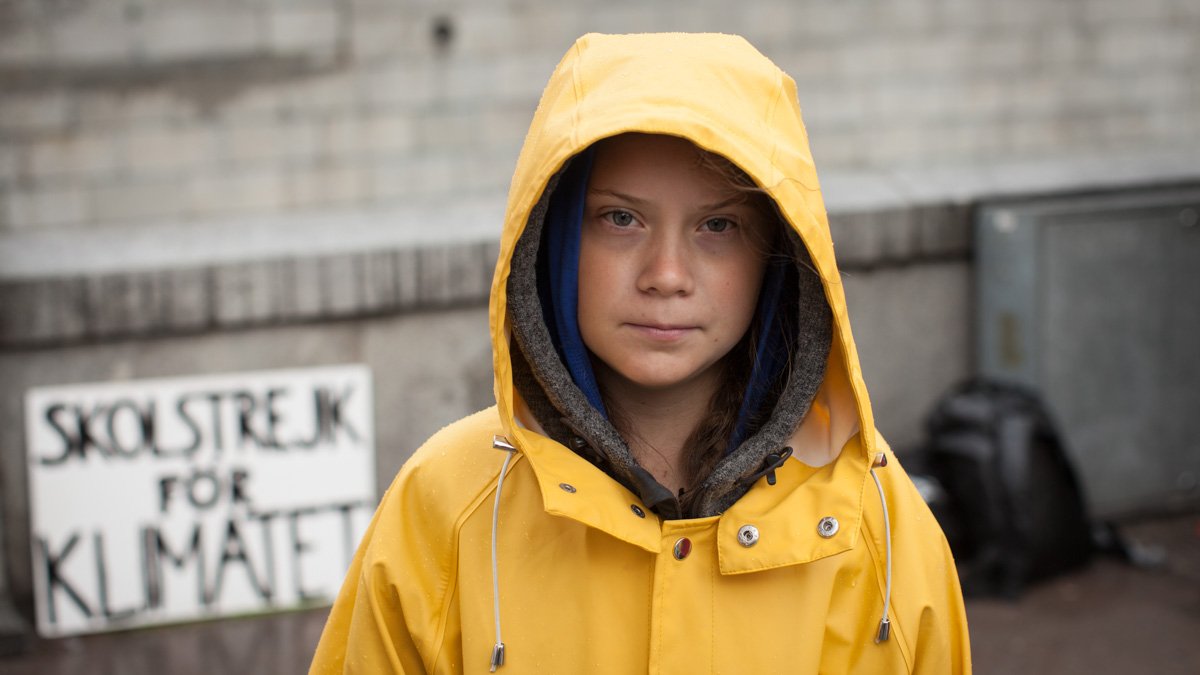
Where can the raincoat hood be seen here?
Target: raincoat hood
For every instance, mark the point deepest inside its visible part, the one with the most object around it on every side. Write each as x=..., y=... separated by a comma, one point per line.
x=719, y=93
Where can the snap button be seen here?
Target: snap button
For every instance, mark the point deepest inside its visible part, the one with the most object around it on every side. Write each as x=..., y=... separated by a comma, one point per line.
x=683, y=548
x=637, y=510
x=827, y=527
x=748, y=535
x=567, y=487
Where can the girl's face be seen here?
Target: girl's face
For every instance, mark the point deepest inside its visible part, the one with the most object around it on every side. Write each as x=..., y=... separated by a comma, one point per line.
x=670, y=265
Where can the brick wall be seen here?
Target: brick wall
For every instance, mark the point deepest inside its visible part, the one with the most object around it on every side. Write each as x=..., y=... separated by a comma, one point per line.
x=115, y=113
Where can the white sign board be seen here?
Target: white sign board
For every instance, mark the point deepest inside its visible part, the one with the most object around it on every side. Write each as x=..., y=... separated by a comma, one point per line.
x=159, y=501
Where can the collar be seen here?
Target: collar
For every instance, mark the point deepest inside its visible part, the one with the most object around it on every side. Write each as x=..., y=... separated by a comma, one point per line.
x=788, y=517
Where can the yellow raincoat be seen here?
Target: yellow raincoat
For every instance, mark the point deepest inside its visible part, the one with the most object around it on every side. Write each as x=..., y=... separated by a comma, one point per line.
x=586, y=579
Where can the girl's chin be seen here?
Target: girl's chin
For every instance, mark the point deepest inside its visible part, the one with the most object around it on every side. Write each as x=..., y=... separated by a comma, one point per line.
x=660, y=380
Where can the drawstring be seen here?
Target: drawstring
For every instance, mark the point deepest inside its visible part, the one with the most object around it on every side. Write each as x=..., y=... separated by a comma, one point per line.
x=772, y=461
x=499, y=443
x=885, y=626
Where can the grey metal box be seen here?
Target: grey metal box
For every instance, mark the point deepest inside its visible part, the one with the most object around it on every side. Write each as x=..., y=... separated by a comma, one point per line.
x=1095, y=302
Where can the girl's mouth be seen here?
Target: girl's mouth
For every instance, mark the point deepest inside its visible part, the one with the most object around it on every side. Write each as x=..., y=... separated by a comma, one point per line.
x=661, y=332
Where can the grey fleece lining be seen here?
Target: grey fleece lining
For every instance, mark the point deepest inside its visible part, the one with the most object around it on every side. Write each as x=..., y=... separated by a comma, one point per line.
x=566, y=415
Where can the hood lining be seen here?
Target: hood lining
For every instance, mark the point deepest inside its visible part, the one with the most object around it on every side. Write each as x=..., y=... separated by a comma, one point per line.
x=563, y=410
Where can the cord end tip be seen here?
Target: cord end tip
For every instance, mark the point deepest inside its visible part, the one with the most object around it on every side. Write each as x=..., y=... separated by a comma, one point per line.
x=885, y=630
x=497, y=656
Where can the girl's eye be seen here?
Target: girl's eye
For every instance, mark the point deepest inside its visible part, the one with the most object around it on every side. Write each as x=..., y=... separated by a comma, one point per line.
x=718, y=225
x=620, y=218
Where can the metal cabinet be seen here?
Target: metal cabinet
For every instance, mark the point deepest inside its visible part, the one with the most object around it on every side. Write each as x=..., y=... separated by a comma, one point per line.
x=1095, y=302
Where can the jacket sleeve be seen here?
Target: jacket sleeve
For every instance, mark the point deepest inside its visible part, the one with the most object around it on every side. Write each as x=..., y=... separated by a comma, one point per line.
x=943, y=645
x=927, y=600
x=366, y=631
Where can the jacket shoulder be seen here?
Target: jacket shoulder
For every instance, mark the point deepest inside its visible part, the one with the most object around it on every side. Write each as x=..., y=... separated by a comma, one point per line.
x=457, y=441
x=442, y=483
x=452, y=469
x=395, y=606
x=411, y=551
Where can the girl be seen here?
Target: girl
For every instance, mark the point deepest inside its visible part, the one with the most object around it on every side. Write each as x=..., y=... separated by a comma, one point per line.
x=681, y=473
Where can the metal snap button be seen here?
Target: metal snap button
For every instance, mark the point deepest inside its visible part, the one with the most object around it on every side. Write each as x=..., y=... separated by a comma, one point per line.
x=567, y=487
x=827, y=527
x=637, y=510
x=683, y=548
x=748, y=535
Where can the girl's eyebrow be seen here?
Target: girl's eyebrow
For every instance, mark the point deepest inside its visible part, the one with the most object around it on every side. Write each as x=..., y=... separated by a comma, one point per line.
x=638, y=201
x=736, y=199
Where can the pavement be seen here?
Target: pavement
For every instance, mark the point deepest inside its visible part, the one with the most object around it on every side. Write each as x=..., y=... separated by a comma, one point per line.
x=1111, y=617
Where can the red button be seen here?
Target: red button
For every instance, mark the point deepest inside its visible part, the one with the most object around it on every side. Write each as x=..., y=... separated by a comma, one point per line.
x=683, y=548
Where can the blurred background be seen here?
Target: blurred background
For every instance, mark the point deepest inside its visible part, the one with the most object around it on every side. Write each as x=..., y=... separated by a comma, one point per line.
x=190, y=187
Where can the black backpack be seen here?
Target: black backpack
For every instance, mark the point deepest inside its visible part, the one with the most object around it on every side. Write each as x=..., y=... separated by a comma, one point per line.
x=1012, y=507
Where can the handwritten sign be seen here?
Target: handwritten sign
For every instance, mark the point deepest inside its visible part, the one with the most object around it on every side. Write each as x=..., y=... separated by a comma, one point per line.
x=160, y=501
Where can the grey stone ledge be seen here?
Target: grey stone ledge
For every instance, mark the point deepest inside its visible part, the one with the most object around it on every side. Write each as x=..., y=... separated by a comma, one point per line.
x=170, y=278
x=114, y=305
x=907, y=215
x=194, y=244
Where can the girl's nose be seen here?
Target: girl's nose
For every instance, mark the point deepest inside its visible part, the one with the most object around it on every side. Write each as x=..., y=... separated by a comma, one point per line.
x=665, y=267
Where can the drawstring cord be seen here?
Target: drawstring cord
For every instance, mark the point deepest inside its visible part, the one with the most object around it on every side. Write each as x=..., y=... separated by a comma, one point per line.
x=499, y=443
x=885, y=626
